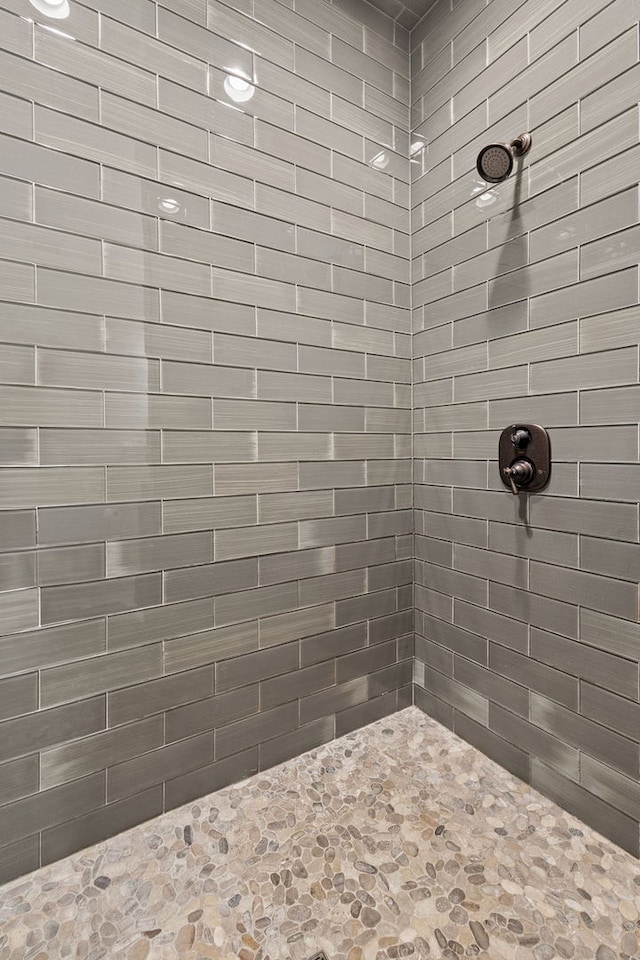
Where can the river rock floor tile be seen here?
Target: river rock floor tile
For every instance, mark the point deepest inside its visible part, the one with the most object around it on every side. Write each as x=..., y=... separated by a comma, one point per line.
x=399, y=840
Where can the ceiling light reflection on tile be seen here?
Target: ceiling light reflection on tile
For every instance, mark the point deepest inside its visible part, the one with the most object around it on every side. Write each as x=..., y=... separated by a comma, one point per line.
x=416, y=147
x=484, y=197
x=169, y=205
x=238, y=88
x=56, y=9
x=380, y=161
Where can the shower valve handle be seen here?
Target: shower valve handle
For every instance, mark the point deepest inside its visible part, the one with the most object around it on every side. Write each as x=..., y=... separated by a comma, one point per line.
x=520, y=437
x=519, y=474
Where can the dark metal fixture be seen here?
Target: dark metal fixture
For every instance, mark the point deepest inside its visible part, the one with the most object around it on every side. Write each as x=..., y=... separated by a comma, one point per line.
x=524, y=456
x=495, y=161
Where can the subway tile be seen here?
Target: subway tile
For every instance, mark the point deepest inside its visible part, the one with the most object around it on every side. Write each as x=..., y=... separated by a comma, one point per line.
x=611, y=481
x=259, y=602
x=158, y=482
x=158, y=623
x=49, y=248
x=247, y=478
x=99, y=597
x=93, y=219
x=71, y=564
x=63, y=683
x=326, y=646
x=119, y=40
x=254, y=730
x=213, y=777
x=50, y=486
x=496, y=689
x=31, y=161
x=67, y=369
x=17, y=281
x=148, y=124
x=150, y=197
x=501, y=751
x=45, y=728
x=95, y=67
x=586, y=76
x=537, y=544
x=204, y=179
x=597, y=369
x=138, y=266
x=209, y=580
x=126, y=778
x=19, y=696
x=16, y=34
x=106, y=821
x=455, y=639
x=354, y=717
x=79, y=524
x=211, y=712
x=89, y=294
x=18, y=778
x=462, y=698
x=612, y=787
x=610, y=557
x=156, y=696
x=321, y=189
x=289, y=745
x=206, y=380
x=592, y=148
x=33, y=81
x=210, y=646
x=92, y=142
x=260, y=665
x=539, y=677
x=590, y=737
x=281, y=568
x=192, y=447
x=186, y=241
x=98, y=446
x=587, y=663
x=556, y=615
x=128, y=557
x=598, y=593
x=17, y=529
x=280, y=507
x=51, y=645
x=295, y=624
x=256, y=541
x=51, y=807
x=511, y=570
x=596, y=107
x=494, y=626
x=616, y=520
x=296, y=685
x=610, y=710
x=156, y=340
x=536, y=741
x=88, y=755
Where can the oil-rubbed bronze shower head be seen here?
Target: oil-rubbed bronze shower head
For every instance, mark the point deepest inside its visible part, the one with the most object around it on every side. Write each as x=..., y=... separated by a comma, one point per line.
x=495, y=161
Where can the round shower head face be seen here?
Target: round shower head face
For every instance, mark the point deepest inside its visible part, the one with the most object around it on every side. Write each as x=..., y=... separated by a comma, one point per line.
x=495, y=162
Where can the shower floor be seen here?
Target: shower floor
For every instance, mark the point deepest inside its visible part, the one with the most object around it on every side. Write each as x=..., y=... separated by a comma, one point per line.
x=399, y=840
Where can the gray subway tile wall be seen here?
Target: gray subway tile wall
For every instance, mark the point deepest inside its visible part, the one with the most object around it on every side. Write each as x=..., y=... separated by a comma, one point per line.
x=218, y=317
x=205, y=366
x=525, y=308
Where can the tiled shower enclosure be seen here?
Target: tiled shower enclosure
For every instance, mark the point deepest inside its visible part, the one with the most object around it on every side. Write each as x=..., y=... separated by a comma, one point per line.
x=209, y=550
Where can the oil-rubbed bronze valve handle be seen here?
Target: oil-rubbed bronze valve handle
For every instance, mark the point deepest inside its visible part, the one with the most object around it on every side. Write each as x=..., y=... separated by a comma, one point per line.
x=519, y=474
x=520, y=437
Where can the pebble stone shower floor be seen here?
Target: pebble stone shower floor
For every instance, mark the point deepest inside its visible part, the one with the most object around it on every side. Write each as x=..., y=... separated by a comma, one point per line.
x=399, y=840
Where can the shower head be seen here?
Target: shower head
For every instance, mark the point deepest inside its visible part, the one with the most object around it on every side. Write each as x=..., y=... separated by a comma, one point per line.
x=495, y=161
